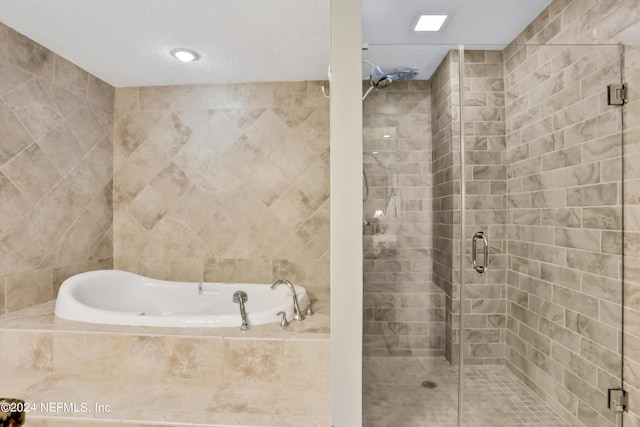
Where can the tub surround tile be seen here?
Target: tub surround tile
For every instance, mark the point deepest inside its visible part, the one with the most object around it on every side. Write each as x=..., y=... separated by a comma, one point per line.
x=29, y=55
x=189, y=396
x=209, y=419
x=36, y=310
x=19, y=171
x=194, y=358
x=29, y=350
x=91, y=352
x=258, y=360
x=135, y=401
x=62, y=147
x=270, y=331
x=56, y=122
x=219, y=173
x=157, y=133
x=245, y=398
x=307, y=359
x=317, y=326
x=33, y=106
x=18, y=381
x=172, y=269
x=220, y=270
x=221, y=364
x=16, y=135
x=294, y=421
x=71, y=423
x=301, y=401
x=253, y=271
x=27, y=289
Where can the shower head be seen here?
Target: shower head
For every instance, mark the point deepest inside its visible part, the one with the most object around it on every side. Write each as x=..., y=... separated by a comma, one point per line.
x=404, y=73
x=379, y=79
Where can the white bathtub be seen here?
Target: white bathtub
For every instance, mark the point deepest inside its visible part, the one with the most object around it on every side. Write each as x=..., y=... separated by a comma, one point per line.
x=121, y=298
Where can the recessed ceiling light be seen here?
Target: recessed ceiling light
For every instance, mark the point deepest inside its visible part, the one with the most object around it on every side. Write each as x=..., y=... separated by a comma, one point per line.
x=430, y=22
x=185, y=55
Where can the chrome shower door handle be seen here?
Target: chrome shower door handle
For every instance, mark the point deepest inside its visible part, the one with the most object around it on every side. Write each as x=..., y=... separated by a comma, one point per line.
x=480, y=268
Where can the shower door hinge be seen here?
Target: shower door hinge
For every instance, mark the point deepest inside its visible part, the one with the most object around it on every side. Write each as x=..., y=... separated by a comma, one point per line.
x=617, y=94
x=618, y=400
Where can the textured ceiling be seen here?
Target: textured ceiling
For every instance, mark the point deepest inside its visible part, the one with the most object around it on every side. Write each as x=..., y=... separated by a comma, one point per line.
x=127, y=42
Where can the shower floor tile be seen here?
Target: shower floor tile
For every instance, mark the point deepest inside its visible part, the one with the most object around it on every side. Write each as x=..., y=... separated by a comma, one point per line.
x=494, y=397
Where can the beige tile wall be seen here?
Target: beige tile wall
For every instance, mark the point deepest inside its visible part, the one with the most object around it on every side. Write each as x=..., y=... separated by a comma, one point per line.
x=563, y=208
x=403, y=310
x=444, y=129
x=219, y=376
x=55, y=172
x=485, y=174
x=445, y=125
x=485, y=304
x=223, y=183
x=564, y=148
x=291, y=360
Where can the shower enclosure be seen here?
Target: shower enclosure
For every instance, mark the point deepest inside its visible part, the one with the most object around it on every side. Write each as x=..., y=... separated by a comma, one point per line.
x=528, y=326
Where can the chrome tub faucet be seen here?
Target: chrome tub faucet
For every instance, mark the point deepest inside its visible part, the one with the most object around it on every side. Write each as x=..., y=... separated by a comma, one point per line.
x=297, y=313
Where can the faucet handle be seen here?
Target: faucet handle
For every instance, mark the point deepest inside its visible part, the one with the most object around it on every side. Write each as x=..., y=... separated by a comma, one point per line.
x=309, y=311
x=284, y=321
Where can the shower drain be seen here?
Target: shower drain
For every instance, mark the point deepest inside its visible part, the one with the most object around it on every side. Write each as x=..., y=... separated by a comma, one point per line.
x=429, y=384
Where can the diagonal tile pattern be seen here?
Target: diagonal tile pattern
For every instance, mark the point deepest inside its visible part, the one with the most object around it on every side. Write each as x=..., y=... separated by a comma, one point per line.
x=55, y=171
x=224, y=175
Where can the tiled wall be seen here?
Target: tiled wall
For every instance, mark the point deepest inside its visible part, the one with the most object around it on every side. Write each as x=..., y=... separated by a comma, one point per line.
x=485, y=175
x=485, y=303
x=563, y=207
x=403, y=310
x=55, y=172
x=564, y=200
x=445, y=125
x=224, y=183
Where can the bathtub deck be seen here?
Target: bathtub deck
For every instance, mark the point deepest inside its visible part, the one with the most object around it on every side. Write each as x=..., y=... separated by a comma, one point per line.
x=267, y=376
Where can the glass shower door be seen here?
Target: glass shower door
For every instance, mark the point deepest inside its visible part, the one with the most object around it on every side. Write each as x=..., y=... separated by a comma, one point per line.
x=542, y=172
x=538, y=322
x=408, y=377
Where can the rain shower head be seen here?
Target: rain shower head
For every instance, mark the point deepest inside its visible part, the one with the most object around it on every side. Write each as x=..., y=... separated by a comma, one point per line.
x=404, y=74
x=380, y=80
